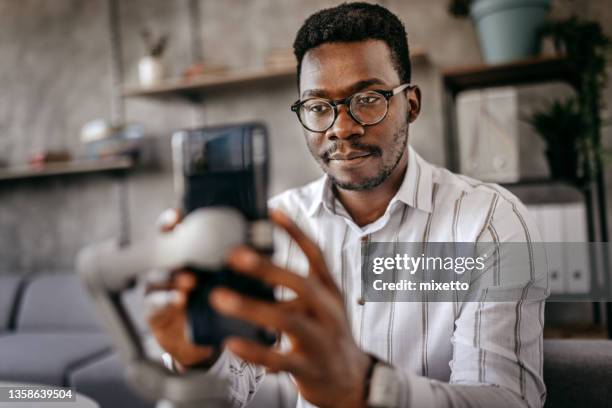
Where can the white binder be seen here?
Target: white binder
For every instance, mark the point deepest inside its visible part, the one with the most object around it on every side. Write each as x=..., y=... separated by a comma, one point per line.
x=487, y=125
x=551, y=218
x=578, y=277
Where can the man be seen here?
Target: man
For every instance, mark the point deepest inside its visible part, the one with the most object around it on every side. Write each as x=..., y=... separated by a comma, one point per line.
x=356, y=103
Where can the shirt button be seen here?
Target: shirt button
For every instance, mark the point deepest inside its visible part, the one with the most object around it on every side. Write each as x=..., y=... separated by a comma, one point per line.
x=360, y=301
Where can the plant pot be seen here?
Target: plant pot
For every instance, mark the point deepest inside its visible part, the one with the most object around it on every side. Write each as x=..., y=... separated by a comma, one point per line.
x=151, y=71
x=563, y=162
x=508, y=29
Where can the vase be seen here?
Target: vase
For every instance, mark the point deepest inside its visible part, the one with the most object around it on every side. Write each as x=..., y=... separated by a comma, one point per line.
x=151, y=71
x=508, y=29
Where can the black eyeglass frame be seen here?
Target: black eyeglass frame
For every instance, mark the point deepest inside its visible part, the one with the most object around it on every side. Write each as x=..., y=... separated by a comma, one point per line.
x=387, y=94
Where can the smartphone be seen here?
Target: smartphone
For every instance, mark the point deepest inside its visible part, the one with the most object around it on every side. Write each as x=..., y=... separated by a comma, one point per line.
x=224, y=166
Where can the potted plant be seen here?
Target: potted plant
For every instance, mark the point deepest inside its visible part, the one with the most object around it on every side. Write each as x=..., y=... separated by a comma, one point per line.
x=507, y=29
x=151, y=67
x=586, y=48
x=563, y=128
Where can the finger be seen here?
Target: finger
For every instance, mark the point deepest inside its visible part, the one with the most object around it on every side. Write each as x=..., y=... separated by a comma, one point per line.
x=309, y=248
x=270, y=358
x=293, y=306
x=162, y=306
x=162, y=302
x=190, y=354
x=321, y=302
x=244, y=260
x=268, y=315
x=184, y=281
x=169, y=219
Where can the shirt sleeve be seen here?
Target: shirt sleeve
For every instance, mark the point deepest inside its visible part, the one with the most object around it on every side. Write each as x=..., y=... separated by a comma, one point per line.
x=497, y=344
x=243, y=378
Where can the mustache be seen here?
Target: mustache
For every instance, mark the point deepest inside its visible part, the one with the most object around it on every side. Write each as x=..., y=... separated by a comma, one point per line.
x=354, y=145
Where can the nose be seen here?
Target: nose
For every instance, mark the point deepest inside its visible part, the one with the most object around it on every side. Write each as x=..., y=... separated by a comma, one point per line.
x=345, y=126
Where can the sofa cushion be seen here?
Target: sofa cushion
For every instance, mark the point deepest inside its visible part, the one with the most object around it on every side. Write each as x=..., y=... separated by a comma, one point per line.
x=98, y=378
x=46, y=358
x=577, y=373
x=57, y=302
x=9, y=288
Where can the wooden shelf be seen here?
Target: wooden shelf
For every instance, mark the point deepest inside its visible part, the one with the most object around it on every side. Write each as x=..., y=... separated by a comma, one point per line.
x=194, y=89
x=68, y=168
x=531, y=70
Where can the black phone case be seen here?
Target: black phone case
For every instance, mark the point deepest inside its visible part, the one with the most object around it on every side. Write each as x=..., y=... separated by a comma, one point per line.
x=210, y=328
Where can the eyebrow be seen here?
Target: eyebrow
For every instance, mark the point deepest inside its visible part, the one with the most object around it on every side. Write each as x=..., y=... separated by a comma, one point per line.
x=356, y=87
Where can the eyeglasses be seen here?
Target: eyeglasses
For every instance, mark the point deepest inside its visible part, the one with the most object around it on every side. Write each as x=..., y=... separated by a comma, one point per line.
x=366, y=108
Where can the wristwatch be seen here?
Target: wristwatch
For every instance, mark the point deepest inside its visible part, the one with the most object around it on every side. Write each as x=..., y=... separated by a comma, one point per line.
x=169, y=362
x=383, y=385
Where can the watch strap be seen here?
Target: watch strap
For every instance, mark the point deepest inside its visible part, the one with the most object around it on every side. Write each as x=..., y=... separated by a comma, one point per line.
x=383, y=387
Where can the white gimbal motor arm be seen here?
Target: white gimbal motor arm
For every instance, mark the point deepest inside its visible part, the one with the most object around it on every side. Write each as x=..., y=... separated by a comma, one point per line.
x=201, y=240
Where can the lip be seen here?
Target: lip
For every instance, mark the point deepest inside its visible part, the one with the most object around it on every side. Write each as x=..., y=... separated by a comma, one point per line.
x=351, y=155
x=356, y=160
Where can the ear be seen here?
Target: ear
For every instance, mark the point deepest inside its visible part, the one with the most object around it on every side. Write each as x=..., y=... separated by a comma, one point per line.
x=413, y=95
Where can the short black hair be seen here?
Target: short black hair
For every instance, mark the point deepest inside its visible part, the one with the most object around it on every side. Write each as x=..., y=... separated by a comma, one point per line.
x=352, y=22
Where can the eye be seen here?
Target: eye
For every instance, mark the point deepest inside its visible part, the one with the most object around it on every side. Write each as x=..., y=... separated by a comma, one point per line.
x=317, y=107
x=368, y=99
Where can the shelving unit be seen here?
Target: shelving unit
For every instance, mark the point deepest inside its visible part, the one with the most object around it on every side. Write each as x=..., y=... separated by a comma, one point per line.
x=65, y=169
x=529, y=71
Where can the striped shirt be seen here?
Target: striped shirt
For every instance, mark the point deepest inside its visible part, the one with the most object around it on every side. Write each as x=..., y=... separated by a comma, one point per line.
x=448, y=354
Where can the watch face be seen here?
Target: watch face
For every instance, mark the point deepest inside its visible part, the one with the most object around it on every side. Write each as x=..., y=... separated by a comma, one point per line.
x=384, y=387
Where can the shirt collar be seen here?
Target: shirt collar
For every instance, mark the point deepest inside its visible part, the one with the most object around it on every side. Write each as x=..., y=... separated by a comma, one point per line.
x=322, y=195
x=415, y=190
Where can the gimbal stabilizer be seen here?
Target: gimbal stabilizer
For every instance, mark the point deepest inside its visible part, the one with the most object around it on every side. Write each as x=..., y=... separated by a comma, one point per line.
x=201, y=241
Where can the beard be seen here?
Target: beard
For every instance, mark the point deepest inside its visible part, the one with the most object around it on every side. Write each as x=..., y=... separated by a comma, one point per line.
x=398, y=147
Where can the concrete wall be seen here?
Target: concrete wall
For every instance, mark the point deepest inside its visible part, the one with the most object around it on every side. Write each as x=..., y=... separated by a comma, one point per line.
x=55, y=76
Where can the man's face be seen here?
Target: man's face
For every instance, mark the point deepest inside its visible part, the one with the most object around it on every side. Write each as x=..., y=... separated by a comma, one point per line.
x=357, y=157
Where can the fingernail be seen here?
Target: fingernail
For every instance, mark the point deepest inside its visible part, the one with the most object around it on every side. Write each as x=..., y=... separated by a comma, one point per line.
x=246, y=257
x=186, y=280
x=223, y=300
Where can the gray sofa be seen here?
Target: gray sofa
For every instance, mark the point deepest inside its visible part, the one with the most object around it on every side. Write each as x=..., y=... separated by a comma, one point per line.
x=49, y=333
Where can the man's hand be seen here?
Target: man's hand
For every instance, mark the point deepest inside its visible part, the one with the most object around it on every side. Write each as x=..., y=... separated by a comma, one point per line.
x=168, y=319
x=326, y=363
